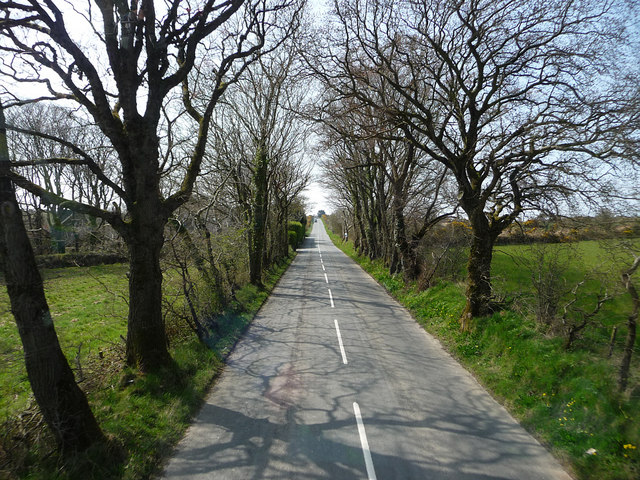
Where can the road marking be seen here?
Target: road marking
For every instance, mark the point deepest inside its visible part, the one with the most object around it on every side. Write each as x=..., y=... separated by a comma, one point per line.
x=326, y=279
x=365, y=444
x=323, y=267
x=331, y=298
x=344, y=355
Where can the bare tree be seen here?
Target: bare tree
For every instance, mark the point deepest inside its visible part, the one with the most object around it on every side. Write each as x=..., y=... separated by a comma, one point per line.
x=49, y=163
x=287, y=185
x=385, y=178
x=260, y=141
x=139, y=56
x=356, y=169
x=517, y=99
x=62, y=403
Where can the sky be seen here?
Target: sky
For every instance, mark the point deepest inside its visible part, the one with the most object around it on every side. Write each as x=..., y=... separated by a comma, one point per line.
x=318, y=195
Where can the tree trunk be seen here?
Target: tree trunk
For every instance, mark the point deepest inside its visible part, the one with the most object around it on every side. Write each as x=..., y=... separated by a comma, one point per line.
x=147, y=347
x=479, y=271
x=146, y=336
x=400, y=249
x=382, y=233
x=62, y=403
x=412, y=267
x=284, y=231
x=257, y=243
x=368, y=210
x=359, y=240
x=632, y=322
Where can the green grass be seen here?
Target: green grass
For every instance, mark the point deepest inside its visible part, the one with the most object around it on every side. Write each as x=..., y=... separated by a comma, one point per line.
x=597, y=264
x=143, y=416
x=567, y=399
x=88, y=318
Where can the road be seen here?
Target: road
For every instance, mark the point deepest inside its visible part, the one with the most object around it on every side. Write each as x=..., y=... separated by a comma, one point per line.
x=334, y=380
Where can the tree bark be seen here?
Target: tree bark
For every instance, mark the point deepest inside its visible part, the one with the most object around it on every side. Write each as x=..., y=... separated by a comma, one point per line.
x=400, y=248
x=401, y=251
x=478, y=291
x=146, y=337
x=63, y=405
x=257, y=242
x=359, y=240
x=146, y=346
x=284, y=232
x=632, y=322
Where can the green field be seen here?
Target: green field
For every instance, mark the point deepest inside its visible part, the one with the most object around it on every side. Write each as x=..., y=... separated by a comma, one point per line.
x=143, y=416
x=568, y=399
x=90, y=313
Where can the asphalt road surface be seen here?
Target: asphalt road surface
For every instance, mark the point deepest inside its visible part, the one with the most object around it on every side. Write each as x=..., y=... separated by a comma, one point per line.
x=334, y=380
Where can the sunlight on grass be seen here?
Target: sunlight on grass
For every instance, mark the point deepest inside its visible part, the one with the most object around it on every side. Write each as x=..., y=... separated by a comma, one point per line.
x=89, y=318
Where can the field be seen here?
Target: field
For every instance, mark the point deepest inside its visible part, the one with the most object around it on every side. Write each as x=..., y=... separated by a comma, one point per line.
x=567, y=398
x=90, y=313
x=142, y=416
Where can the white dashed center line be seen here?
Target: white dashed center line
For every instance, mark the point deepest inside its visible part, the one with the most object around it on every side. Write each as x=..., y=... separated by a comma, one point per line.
x=368, y=461
x=371, y=474
x=344, y=355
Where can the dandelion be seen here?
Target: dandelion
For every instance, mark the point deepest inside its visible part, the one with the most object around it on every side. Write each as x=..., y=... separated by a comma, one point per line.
x=629, y=446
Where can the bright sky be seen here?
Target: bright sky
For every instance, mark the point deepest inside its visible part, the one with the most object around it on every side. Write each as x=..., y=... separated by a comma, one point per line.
x=318, y=196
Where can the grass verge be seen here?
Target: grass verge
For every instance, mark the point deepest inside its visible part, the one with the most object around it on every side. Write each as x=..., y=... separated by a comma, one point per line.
x=567, y=399
x=143, y=416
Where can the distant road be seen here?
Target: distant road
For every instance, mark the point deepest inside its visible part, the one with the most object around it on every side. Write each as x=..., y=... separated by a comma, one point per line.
x=334, y=380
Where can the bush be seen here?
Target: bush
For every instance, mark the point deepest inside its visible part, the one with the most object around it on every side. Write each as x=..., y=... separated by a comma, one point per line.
x=443, y=254
x=293, y=239
x=298, y=231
